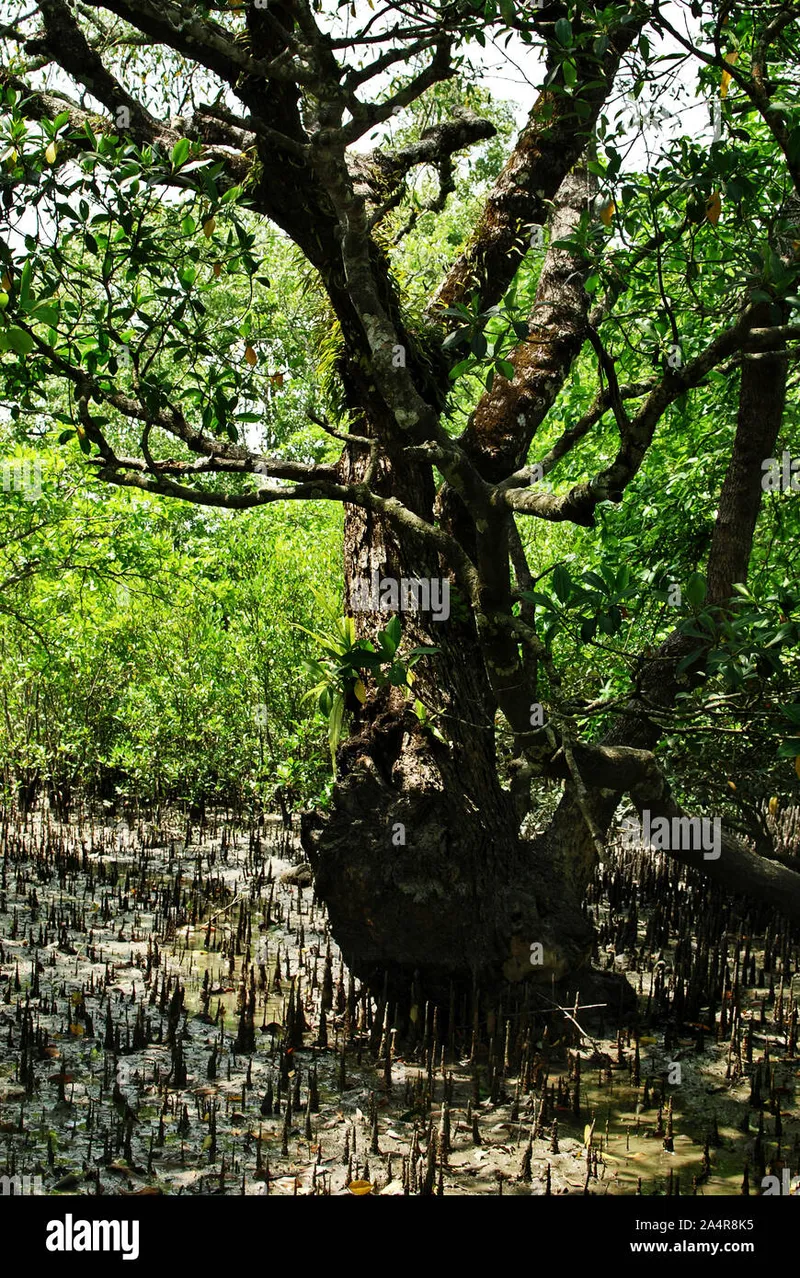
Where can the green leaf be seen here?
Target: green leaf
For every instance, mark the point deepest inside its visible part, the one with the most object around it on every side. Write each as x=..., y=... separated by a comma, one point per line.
x=393, y=634
x=479, y=345
x=690, y=660
x=695, y=591
x=562, y=583
x=18, y=340
x=588, y=629
x=335, y=723
x=25, y=284
x=536, y=597
x=45, y=314
x=563, y=32
x=180, y=153
x=454, y=340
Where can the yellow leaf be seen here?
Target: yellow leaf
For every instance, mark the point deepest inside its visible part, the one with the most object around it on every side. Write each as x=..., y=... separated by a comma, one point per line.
x=76, y=1029
x=607, y=213
x=773, y=805
x=732, y=785
x=209, y=226
x=50, y=153
x=359, y=1187
x=251, y=356
x=797, y=765
x=731, y=58
x=714, y=208
x=6, y=282
x=360, y=691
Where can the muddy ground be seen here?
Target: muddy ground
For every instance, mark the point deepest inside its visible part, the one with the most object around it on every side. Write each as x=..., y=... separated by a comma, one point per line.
x=162, y=990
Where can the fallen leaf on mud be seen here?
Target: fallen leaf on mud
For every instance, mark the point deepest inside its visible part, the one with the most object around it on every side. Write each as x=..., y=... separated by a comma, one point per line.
x=360, y=1187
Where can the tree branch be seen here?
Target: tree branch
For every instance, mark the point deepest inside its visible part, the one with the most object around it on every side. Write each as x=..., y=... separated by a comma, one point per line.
x=548, y=147
x=579, y=504
x=200, y=39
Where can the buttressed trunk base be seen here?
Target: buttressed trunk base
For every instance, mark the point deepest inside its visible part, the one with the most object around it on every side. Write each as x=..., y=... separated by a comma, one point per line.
x=429, y=885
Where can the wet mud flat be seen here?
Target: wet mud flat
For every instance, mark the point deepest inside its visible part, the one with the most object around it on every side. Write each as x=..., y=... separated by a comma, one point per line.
x=175, y=1018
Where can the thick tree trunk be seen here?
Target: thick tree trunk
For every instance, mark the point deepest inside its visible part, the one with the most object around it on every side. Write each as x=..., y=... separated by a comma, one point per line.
x=419, y=860
x=463, y=898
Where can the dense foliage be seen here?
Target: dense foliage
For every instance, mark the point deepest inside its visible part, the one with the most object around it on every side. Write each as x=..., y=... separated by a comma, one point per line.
x=158, y=650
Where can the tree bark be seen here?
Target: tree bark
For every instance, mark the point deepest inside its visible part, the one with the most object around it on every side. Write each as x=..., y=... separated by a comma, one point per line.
x=419, y=860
